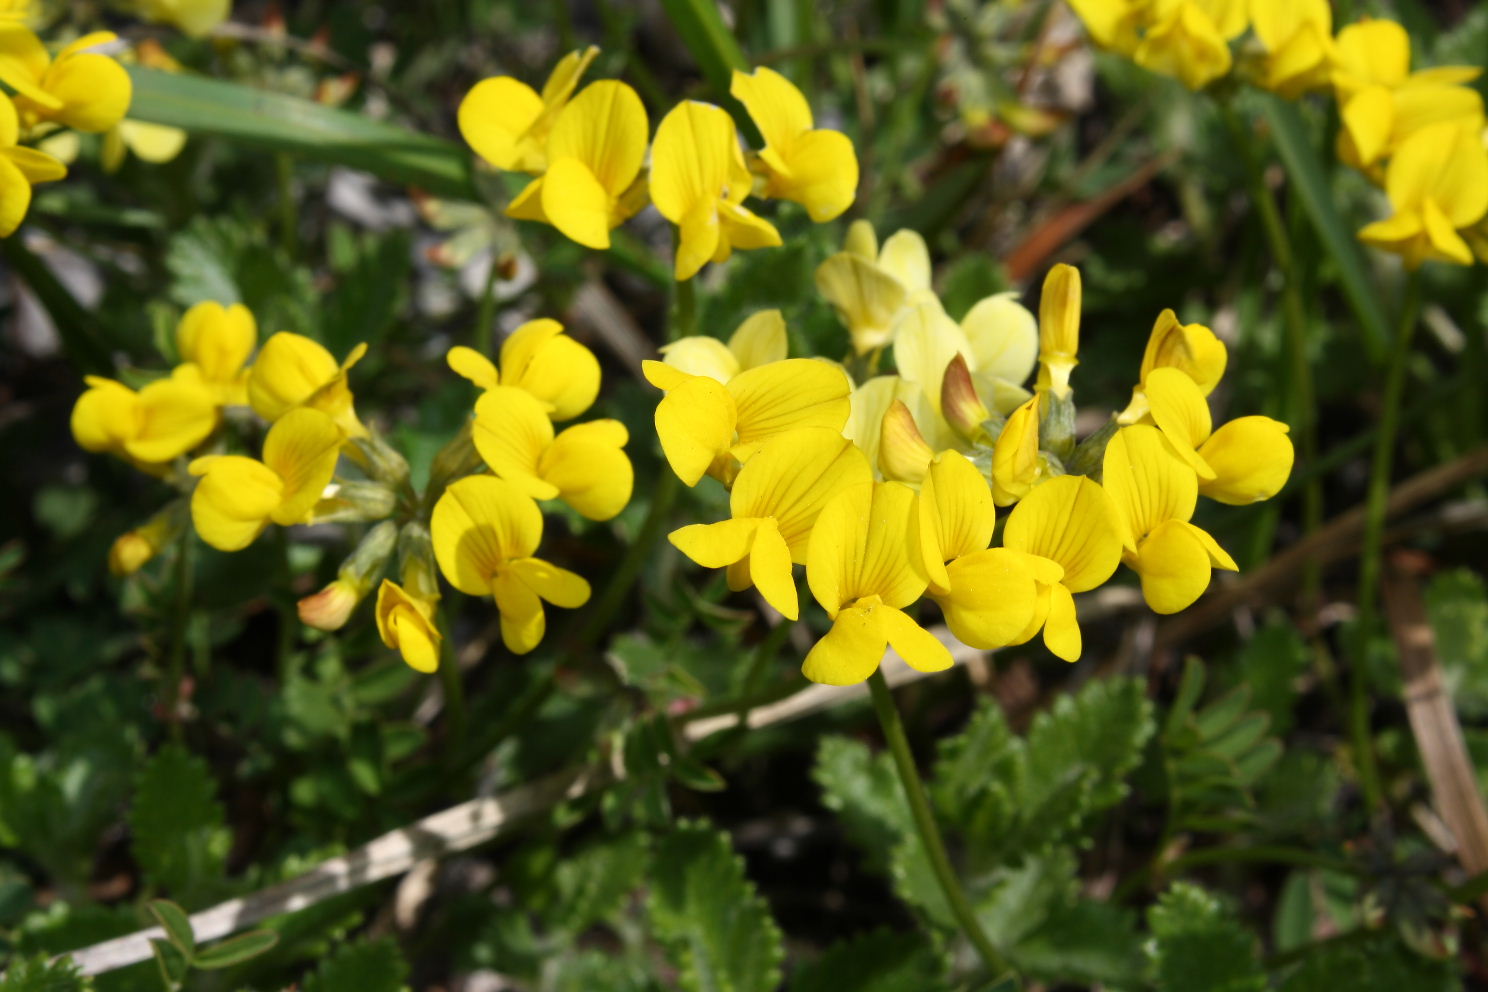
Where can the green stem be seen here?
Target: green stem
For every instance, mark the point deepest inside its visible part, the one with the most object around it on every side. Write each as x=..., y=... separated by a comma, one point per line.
x=180, y=625
x=684, y=311
x=623, y=578
x=759, y=667
x=1374, y=531
x=485, y=316
x=924, y=818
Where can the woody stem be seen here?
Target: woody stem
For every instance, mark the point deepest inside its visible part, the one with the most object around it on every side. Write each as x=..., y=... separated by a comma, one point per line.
x=925, y=825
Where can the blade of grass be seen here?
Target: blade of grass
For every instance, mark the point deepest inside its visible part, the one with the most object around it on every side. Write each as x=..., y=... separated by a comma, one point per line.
x=708, y=39
x=276, y=122
x=1311, y=186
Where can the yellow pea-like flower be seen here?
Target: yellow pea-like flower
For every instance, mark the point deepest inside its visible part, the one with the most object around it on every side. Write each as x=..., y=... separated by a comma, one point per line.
x=154, y=143
x=1112, y=24
x=294, y=371
x=594, y=153
x=869, y=287
x=541, y=359
x=508, y=123
x=1017, y=464
x=1155, y=491
x=14, y=12
x=585, y=465
x=20, y=168
x=161, y=422
x=987, y=594
x=1438, y=185
x=705, y=425
x=486, y=532
x=699, y=182
x=238, y=496
x=1247, y=460
x=78, y=89
x=871, y=401
x=814, y=167
x=1004, y=339
x=903, y=453
x=861, y=569
x=1069, y=537
x=1298, y=38
x=214, y=342
x=1185, y=43
x=195, y=17
x=406, y=624
x=1059, y=329
x=774, y=503
x=1192, y=348
x=759, y=340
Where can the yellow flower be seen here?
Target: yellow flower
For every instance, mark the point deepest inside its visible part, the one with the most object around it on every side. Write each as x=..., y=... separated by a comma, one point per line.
x=1191, y=348
x=1068, y=534
x=1059, y=329
x=20, y=168
x=594, y=155
x=1438, y=185
x=133, y=549
x=699, y=182
x=997, y=340
x=903, y=453
x=1017, y=464
x=214, y=342
x=860, y=570
x=1155, y=492
x=238, y=496
x=161, y=422
x=1112, y=24
x=759, y=340
x=79, y=89
x=1186, y=44
x=705, y=425
x=812, y=166
x=195, y=17
x=1298, y=39
x=293, y=371
x=406, y=624
x=540, y=359
x=485, y=533
x=870, y=287
x=1247, y=460
x=507, y=123
x=155, y=143
x=774, y=503
x=871, y=401
x=13, y=12
x=585, y=465
x=987, y=594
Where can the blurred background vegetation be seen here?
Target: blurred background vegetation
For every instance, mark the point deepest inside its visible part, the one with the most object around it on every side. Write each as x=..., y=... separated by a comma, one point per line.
x=1179, y=810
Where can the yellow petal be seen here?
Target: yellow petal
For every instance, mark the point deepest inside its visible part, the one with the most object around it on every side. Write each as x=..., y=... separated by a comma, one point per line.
x=770, y=570
x=690, y=159
x=605, y=128
x=15, y=196
x=290, y=368
x=105, y=415
x=906, y=258
x=792, y=477
x=824, y=175
x=1015, y=456
x=759, y=340
x=868, y=404
x=1193, y=348
x=173, y=417
x=588, y=465
x=154, y=143
x=788, y=395
x=1069, y=520
x=920, y=649
x=1003, y=335
x=472, y=365
x=555, y=585
x=925, y=341
x=301, y=448
x=1373, y=51
x=1179, y=409
x=217, y=339
x=94, y=91
x=865, y=296
x=37, y=166
x=23, y=62
x=1059, y=324
x=849, y=652
x=232, y=503
x=699, y=240
x=903, y=453
x=775, y=105
x=700, y=356
x=552, y=366
x=1369, y=119
x=1175, y=566
x=406, y=624
x=1148, y=481
x=1445, y=242
x=478, y=525
x=695, y=424
x=566, y=74
x=523, y=621
x=576, y=203
x=494, y=118
x=858, y=551
x=991, y=598
x=512, y=432
x=954, y=512
x=1251, y=458
x=1187, y=45
x=716, y=545
x=1061, y=626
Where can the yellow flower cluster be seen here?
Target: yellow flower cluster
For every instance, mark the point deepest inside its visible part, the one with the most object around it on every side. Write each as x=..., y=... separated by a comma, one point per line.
x=481, y=530
x=78, y=88
x=587, y=153
x=887, y=490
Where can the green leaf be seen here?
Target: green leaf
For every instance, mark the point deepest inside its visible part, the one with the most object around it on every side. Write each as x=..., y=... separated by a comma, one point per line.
x=1310, y=182
x=718, y=930
x=864, y=792
x=369, y=966
x=593, y=884
x=1198, y=945
x=171, y=963
x=1084, y=942
x=1102, y=729
x=708, y=39
x=877, y=961
x=968, y=280
x=235, y=950
x=176, y=923
x=276, y=122
x=1381, y=965
x=42, y=974
x=179, y=838
x=1271, y=662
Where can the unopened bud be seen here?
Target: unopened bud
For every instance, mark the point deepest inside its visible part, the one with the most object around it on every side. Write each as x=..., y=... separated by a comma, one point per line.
x=1191, y=348
x=355, y=501
x=1059, y=328
x=960, y=404
x=416, y=564
x=132, y=550
x=1015, y=457
x=861, y=240
x=330, y=608
x=458, y=458
x=382, y=461
x=903, y=454
x=1057, y=425
x=1090, y=454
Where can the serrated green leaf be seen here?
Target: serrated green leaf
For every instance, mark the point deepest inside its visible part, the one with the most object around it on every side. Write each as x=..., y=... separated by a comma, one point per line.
x=177, y=824
x=41, y=974
x=592, y=884
x=877, y=961
x=235, y=950
x=1271, y=662
x=1382, y=965
x=1198, y=945
x=177, y=925
x=717, y=929
x=1216, y=719
x=979, y=773
x=1084, y=942
x=368, y=966
x=864, y=791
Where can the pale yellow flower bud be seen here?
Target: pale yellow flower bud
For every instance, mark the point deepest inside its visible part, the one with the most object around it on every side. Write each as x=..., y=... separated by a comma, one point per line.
x=903, y=454
x=960, y=404
x=1059, y=328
